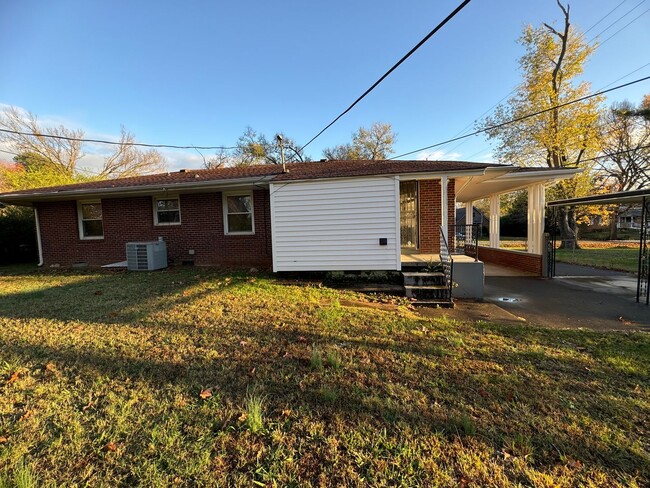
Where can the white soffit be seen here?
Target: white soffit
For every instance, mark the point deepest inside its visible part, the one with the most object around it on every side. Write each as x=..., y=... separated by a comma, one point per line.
x=477, y=188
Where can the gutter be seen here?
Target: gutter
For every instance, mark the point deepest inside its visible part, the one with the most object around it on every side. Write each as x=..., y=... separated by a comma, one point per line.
x=38, y=239
x=27, y=198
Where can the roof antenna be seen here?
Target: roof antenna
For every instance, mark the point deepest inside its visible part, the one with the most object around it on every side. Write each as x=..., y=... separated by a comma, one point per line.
x=280, y=143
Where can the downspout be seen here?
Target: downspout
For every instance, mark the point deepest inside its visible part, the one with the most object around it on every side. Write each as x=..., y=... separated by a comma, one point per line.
x=38, y=239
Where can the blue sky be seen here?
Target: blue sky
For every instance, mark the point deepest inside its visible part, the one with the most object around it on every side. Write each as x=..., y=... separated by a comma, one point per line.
x=198, y=73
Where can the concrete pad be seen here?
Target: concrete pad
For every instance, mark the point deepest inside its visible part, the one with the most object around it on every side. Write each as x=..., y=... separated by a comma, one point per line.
x=599, y=303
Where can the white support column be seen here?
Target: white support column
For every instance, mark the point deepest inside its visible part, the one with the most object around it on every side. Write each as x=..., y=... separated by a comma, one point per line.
x=536, y=205
x=469, y=213
x=495, y=220
x=443, y=207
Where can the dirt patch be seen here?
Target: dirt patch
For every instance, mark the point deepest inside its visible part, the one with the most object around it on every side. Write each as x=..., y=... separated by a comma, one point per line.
x=374, y=305
x=467, y=310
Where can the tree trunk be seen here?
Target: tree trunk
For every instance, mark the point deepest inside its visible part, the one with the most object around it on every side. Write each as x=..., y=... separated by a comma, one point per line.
x=613, y=228
x=568, y=229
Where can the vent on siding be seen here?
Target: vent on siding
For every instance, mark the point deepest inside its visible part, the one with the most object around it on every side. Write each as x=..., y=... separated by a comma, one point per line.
x=146, y=256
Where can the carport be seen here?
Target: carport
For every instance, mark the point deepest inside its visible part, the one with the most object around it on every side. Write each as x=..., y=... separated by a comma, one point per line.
x=635, y=197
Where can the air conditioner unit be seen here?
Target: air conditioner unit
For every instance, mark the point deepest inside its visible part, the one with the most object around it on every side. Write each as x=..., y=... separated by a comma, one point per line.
x=146, y=256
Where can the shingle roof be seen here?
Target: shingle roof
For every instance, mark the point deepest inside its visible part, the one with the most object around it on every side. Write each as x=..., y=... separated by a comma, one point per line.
x=295, y=171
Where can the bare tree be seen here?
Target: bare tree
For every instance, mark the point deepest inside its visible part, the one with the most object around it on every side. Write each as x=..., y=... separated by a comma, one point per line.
x=61, y=154
x=129, y=160
x=221, y=159
x=374, y=143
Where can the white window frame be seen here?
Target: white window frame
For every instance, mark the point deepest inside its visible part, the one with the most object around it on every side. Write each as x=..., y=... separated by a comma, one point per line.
x=242, y=193
x=80, y=220
x=155, y=210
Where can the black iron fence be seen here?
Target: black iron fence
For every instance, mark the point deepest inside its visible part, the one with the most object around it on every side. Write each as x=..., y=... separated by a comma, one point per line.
x=643, y=278
x=464, y=239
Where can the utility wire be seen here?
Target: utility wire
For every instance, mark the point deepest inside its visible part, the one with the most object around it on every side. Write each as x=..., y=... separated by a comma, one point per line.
x=114, y=143
x=523, y=117
x=468, y=127
x=626, y=25
x=393, y=68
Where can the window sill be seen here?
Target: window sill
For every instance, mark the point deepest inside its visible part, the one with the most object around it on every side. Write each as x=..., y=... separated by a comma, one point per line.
x=239, y=233
x=170, y=224
x=91, y=238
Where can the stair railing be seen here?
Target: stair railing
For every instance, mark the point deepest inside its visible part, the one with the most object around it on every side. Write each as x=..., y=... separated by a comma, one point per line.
x=447, y=264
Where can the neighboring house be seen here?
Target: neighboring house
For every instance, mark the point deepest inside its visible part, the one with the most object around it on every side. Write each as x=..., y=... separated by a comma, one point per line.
x=479, y=218
x=630, y=218
x=331, y=215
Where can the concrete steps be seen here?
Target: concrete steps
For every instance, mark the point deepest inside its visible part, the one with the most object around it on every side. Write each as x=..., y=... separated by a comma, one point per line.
x=428, y=288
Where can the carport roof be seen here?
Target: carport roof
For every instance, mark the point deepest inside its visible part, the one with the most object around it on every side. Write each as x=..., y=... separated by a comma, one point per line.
x=633, y=196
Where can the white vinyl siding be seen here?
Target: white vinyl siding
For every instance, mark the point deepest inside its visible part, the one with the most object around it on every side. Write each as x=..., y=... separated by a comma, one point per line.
x=335, y=225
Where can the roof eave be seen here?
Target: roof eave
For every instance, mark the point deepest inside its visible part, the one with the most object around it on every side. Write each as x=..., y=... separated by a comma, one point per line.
x=28, y=199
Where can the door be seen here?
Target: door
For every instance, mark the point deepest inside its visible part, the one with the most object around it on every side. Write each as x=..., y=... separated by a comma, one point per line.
x=408, y=214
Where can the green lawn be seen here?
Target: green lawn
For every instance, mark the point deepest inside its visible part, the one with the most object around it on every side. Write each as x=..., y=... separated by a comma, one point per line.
x=190, y=377
x=623, y=259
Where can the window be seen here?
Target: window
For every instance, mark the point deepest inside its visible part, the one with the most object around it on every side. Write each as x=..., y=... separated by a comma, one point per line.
x=91, y=225
x=238, y=213
x=167, y=211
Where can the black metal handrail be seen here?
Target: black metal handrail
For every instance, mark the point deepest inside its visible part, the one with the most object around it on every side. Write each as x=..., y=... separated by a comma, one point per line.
x=447, y=264
x=465, y=239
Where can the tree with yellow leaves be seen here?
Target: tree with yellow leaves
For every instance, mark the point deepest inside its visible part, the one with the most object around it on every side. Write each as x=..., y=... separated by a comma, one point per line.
x=560, y=137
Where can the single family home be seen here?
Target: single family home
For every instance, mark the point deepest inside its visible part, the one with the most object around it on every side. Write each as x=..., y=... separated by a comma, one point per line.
x=314, y=216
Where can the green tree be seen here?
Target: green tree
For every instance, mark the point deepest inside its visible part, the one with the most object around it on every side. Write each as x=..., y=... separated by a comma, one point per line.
x=374, y=143
x=562, y=136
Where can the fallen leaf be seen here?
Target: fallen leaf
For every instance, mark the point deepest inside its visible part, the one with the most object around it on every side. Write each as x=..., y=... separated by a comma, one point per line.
x=243, y=343
x=574, y=463
x=50, y=368
x=252, y=371
x=26, y=415
x=14, y=377
x=286, y=413
x=483, y=393
x=110, y=446
x=243, y=417
x=205, y=394
x=3, y=439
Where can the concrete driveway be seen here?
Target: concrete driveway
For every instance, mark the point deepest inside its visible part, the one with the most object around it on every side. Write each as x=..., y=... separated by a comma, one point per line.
x=579, y=297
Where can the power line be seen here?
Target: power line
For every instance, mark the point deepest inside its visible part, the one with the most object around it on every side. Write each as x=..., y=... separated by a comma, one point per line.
x=626, y=25
x=393, y=68
x=582, y=35
x=523, y=117
x=114, y=143
x=605, y=16
x=617, y=20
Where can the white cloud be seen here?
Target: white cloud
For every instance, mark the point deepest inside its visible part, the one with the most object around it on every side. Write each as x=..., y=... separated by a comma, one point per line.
x=438, y=155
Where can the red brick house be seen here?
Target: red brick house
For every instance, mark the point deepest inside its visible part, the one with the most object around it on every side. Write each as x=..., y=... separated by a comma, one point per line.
x=330, y=215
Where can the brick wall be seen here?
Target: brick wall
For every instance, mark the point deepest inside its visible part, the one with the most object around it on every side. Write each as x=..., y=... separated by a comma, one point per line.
x=430, y=216
x=131, y=219
x=512, y=259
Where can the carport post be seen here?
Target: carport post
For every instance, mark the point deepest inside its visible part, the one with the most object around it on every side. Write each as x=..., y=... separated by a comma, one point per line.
x=469, y=213
x=495, y=220
x=536, y=204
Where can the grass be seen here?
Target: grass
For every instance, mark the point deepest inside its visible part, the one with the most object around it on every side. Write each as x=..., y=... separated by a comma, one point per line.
x=191, y=377
x=622, y=259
